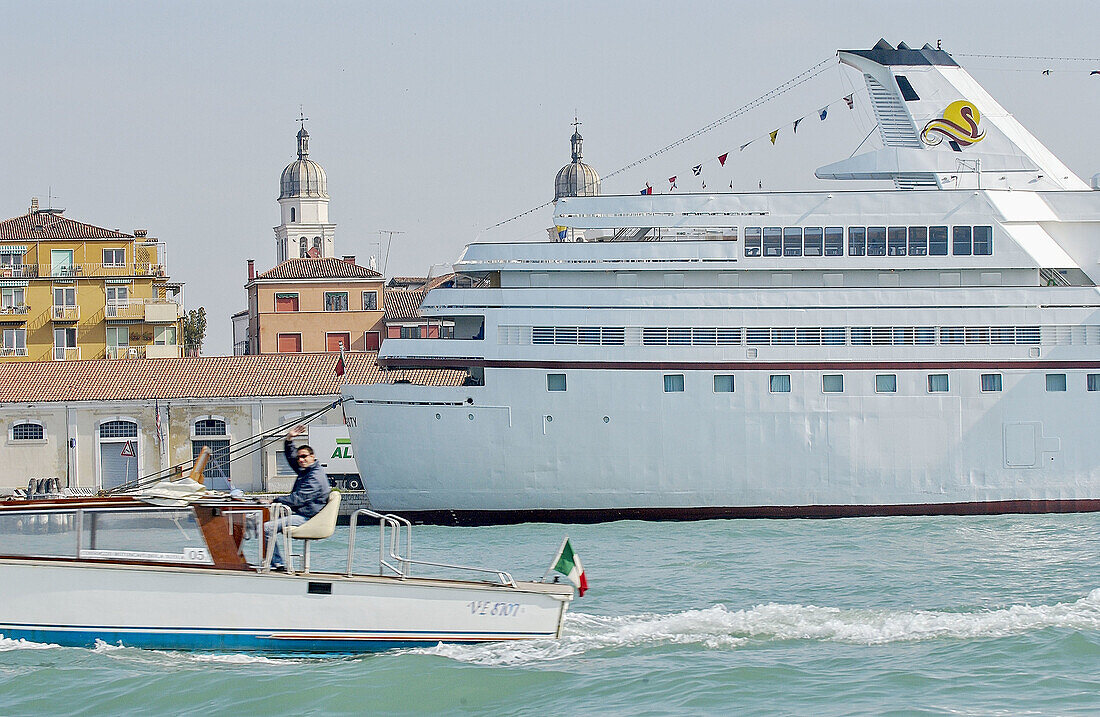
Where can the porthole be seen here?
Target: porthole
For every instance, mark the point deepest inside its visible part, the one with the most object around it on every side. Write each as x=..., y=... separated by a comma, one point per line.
x=549, y=419
x=470, y=416
x=437, y=417
x=606, y=419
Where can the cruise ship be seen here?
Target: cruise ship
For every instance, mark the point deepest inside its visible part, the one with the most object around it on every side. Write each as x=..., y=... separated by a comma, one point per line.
x=930, y=348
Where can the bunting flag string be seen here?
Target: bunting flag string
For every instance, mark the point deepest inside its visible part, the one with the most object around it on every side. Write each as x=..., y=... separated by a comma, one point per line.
x=773, y=136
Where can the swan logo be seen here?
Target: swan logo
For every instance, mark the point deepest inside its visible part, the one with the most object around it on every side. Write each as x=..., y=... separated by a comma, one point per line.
x=959, y=124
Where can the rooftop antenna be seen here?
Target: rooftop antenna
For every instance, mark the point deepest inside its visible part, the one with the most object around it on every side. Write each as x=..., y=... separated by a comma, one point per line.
x=389, y=242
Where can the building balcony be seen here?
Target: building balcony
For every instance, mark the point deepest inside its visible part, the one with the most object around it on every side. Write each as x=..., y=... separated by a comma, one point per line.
x=65, y=314
x=14, y=314
x=122, y=352
x=13, y=351
x=163, y=351
x=152, y=311
x=19, y=271
x=83, y=271
x=66, y=353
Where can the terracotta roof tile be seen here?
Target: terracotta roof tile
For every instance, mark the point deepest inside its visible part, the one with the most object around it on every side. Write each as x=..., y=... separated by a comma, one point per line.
x=402, y=304
x=202, y=377
x=322, y=268
x=46, y=224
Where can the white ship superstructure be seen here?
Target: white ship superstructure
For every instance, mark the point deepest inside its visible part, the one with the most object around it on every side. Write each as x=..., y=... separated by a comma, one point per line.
x=932, y=348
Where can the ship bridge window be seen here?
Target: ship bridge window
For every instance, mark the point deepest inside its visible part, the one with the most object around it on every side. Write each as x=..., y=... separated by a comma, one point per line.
x=876, y=241
x=896, y=241
x=918, y=241
x=792, y=241
x=960, y=241
x=983, y=241
x=937, y=241
x=773, y=241
x=834, y=241
x=907, y=92
x=752, y=241
x=857, y=241
x=1056, y=382
x=811, y=243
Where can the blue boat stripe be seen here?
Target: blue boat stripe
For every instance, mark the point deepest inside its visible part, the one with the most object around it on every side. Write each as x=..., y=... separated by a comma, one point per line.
x=273, y=633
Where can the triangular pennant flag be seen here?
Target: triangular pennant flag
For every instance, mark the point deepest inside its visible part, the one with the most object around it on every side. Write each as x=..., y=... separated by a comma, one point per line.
x=850, y=99
x=339, y=370
x=746, y=144
x=731, y=184
x=796, y=124
x=773, y=135
x=698, y=169
x=648, y=189
x=823, y=112
x=722, y=157
x=672, y=183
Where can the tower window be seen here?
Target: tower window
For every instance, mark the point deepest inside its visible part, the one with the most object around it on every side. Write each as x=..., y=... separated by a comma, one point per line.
x=292, y=214
x=317, y=243
x=303, y=247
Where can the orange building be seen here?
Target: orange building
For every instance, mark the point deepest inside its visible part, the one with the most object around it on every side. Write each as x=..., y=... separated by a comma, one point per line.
x=312, y=304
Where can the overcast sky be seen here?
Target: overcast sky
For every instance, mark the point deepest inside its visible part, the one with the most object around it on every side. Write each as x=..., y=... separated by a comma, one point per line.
x=442, y=119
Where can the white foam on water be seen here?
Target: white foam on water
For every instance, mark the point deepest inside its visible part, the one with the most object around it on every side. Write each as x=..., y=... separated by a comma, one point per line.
x=719, y=628
x=7, y=644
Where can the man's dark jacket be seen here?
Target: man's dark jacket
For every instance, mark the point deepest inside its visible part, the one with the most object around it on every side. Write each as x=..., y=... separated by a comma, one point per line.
x=311, y=489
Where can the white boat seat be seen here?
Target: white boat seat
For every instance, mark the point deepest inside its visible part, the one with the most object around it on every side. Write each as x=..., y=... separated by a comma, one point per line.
x=318, y=527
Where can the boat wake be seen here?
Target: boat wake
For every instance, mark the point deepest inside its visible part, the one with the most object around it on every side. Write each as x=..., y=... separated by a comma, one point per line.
x=720, y=628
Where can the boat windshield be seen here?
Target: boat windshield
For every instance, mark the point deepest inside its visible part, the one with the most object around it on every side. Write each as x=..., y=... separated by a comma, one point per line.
x=162, y=535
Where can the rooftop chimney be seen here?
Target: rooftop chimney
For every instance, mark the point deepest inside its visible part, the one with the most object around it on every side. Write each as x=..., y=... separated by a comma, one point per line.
x=34, y=204
x=350, y=259
x=251, y=269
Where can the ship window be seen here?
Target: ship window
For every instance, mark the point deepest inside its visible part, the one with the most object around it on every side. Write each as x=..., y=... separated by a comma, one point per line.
x=833, y=335
x=723, y=384
x=937, y=383
x=555, y=382
x=886, y=383
x=896, y=241
x=752, y=241
x=876, y=241
x=1092, y=382
x=907, y=92
x=792, y=241
x=960, y=241
x=857, y=241
x=937, y=241
x=991, y=382
x=983, y=241
x=832, y=383
x=28, y=431
x=674, y=383
x=834, y=241
x=773, y=241
x=918, y=241
x=1056, y=382
x=812, y=243
x=162, y=536
x=781, y=383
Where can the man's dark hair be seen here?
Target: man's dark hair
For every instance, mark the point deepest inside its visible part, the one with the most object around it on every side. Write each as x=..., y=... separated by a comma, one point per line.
x=304, y=447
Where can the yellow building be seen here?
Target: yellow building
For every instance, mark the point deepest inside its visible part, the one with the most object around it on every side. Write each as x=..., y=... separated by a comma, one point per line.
x=70, y=290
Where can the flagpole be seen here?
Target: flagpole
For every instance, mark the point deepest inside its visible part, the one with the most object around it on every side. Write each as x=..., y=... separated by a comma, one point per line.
x=555, y=560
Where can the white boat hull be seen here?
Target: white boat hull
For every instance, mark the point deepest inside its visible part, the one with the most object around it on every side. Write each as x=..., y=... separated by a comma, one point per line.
x=168, y=608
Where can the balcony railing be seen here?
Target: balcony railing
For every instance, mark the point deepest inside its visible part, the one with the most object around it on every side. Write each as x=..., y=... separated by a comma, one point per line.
x=17, y=312
x=66, y=353
x=152, y=310
x=86, y=270
x=65, y=313
x=13, y=351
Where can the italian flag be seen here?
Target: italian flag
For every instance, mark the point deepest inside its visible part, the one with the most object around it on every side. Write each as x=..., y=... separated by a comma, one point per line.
x=568, y=564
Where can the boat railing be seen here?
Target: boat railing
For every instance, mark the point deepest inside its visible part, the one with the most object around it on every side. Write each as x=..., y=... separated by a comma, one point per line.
x=393, y=530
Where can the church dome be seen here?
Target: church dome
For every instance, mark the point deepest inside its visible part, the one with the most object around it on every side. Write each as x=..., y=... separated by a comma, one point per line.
x=576, y=179
x=303, y=177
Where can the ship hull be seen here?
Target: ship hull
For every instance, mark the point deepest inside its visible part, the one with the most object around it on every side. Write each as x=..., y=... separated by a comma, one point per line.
x=615, y=445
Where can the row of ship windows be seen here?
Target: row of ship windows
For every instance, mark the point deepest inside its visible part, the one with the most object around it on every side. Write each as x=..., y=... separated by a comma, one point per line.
x=868, y=241
x=1066, y=335
x=834, y=382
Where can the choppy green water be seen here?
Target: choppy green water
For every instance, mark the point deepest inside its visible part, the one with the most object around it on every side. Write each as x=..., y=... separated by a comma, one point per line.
x=984, y=616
